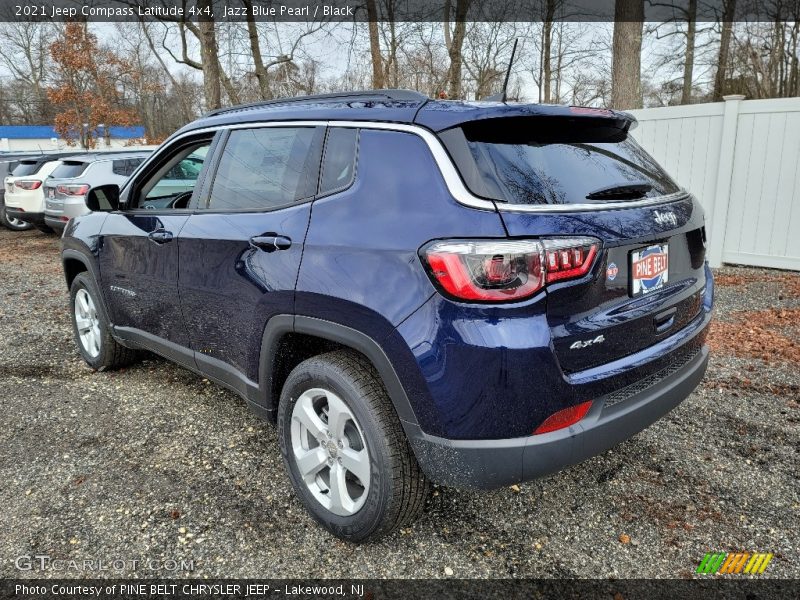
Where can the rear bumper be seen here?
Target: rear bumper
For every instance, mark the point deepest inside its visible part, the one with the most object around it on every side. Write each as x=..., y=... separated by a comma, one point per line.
x=612, y=419
x=34, y=218
x=55, y=222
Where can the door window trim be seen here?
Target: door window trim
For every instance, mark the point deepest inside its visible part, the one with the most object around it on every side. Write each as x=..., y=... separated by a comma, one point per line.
x=149, y=168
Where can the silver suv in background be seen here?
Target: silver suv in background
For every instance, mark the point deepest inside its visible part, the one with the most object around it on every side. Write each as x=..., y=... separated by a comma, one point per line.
x=66, y=188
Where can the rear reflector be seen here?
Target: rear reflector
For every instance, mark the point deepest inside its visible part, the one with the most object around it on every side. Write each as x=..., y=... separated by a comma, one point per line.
x=564, y=418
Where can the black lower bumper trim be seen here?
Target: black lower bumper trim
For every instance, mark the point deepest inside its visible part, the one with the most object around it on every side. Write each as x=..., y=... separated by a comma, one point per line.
x=29, y=217
x=490, y=464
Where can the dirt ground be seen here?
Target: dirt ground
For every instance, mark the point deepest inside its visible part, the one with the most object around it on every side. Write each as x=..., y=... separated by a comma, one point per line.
x=152, y=464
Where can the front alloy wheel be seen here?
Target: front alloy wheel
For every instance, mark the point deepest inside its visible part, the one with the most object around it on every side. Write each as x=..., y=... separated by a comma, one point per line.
x=87, y=323
x=92, y=329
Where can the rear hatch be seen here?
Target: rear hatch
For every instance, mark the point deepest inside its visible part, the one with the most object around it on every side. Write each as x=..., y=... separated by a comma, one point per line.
x=62, y=180
x=558, y=176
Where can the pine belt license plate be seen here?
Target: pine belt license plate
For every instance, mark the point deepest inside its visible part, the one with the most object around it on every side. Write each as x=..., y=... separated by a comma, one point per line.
x=649, y=269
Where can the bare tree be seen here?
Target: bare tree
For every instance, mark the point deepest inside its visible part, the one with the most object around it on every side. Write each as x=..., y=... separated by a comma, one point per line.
x=626, y=87
x=24, y=53
x=729, y=11
x=455, y=45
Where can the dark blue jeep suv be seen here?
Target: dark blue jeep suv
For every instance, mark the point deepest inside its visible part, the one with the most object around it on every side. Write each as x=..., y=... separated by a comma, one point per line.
x=472, y=294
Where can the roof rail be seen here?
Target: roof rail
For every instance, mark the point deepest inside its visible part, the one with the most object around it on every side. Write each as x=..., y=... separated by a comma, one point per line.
x=400, y=95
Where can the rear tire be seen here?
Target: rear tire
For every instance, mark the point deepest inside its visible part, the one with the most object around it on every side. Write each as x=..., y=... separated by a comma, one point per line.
x=359, y=479
x=10, y=222
x=92, y=330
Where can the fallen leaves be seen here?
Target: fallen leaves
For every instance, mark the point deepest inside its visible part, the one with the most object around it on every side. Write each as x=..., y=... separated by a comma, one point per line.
x=765, y=334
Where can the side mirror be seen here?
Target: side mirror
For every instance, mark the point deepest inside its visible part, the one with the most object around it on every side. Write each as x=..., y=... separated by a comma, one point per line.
x=104, y=198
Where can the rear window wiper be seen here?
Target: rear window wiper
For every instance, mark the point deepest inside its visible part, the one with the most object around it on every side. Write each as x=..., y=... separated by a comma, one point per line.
x=625, y=191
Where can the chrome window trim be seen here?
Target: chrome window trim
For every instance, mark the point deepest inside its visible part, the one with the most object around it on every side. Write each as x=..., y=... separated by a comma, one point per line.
x=448, y=170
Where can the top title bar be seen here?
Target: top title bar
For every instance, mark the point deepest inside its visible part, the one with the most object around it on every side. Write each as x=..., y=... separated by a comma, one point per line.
x=385, y=10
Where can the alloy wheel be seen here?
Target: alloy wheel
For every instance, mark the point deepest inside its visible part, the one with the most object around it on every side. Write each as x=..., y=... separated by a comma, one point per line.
x=87, y=323
x=330, y=451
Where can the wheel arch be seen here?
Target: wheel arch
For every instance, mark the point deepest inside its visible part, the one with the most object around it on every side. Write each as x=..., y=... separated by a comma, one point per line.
x=334, y=336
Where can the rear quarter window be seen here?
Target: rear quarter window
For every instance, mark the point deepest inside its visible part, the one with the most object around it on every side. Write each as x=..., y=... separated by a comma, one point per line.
x=554, y=160
x=69, y=169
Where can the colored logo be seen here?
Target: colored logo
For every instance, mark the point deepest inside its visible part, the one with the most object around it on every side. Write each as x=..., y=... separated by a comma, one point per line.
x=611, y=272
x=734, y=562
x=650, y=268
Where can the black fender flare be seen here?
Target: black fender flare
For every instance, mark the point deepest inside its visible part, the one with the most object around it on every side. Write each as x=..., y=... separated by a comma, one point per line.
x=280, y=325
x=91, y=267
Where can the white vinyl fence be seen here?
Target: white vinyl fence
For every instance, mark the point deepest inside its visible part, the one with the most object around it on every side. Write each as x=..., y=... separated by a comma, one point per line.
x=741, y=158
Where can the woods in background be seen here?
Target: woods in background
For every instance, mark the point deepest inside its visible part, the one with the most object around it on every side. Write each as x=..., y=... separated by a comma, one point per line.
x=163, y=74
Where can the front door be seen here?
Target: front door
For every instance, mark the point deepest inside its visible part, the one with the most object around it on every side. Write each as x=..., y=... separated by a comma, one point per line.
x=139, y=259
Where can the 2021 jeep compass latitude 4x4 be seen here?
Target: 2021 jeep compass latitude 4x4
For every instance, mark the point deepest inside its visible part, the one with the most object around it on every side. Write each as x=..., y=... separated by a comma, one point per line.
x=473, y=294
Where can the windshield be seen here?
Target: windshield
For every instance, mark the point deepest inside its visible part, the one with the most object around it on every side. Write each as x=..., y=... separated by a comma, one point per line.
x=554, y=161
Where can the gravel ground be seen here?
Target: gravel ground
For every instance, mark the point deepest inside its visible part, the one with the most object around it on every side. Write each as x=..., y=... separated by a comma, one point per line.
x=154, y=463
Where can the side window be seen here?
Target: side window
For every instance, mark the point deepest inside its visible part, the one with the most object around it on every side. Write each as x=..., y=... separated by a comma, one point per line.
x=266, y=167
x=339, y=163
x=172, y=185
x=125, y=167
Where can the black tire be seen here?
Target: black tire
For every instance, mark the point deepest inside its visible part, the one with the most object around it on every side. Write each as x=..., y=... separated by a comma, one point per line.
x=397, y=488
x=12, y=224
x=110, y=354
x=44, y=228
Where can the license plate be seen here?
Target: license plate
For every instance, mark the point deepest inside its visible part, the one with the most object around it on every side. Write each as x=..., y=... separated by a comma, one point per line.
x=649, y=269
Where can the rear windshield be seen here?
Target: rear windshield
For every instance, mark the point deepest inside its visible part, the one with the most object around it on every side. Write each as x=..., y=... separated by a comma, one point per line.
x=69, y=169
x=554, y=161
x=26, y=168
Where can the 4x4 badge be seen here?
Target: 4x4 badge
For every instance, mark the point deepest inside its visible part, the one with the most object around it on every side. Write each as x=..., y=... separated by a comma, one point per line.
x=579, y=344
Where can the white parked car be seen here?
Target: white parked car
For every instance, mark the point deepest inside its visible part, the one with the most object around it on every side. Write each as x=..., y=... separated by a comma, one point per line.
x=24, y=188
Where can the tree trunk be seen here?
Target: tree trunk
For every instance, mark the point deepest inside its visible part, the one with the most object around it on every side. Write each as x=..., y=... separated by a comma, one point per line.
x=688, y=63
x=255, y=51
x=547, y=49
x=626, y=76
x=724, y=48
x=456, y=58
x=208, y=52
x=375, y=46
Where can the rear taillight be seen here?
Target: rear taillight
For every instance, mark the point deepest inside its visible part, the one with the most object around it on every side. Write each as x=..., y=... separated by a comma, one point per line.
x=79, y=189
x=569, y=258
x=564, y=418
x=506, y=270
x=28, y=184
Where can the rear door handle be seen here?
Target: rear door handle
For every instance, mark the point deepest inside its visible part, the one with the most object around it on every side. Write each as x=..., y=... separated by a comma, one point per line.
x=161, y=236
x=271, y=243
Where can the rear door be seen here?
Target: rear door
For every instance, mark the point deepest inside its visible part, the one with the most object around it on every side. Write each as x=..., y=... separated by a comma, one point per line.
x=558, y=178
x=240, y=252
x=139, y=254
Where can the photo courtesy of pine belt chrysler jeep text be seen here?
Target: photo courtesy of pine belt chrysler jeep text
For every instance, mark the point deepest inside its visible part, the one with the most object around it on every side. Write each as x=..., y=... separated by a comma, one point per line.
x=415, y=290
